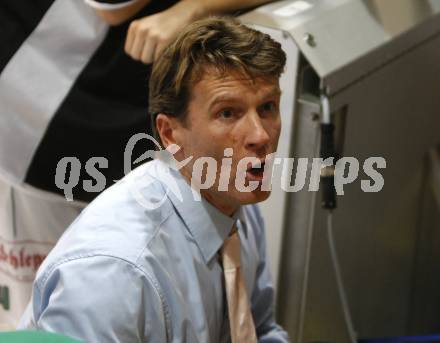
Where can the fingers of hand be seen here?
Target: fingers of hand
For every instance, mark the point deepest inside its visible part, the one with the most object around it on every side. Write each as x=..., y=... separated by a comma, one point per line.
x=137, y=47
x=148, y=50
x=131, y=34
x=142, y=42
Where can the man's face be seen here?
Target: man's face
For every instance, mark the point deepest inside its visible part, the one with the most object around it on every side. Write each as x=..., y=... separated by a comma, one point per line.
x=231, y=111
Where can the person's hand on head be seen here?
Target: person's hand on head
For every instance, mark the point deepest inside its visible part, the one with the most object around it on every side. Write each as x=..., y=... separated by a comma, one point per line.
x=146, y=37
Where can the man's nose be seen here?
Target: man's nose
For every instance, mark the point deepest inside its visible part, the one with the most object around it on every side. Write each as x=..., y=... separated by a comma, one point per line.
x=257, y=136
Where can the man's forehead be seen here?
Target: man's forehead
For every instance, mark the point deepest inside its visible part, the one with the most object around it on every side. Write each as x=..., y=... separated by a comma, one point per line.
x=216, y=77
x=225, y=73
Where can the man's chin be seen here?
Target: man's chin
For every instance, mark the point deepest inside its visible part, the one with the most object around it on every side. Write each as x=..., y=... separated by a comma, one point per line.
x=256, y=196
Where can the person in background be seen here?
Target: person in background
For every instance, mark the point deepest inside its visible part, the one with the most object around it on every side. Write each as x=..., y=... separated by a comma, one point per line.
x=73, y=84
x=159, y=257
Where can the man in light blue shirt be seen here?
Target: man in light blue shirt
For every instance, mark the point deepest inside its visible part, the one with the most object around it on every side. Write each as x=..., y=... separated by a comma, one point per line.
x=141, y=263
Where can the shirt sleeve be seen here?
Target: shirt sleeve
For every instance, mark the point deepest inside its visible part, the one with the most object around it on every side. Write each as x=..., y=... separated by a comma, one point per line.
x=263, y=296
x=109, y=4
x=100, y=299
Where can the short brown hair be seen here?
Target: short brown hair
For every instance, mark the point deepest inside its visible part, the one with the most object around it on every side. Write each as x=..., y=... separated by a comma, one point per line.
x=219, y=42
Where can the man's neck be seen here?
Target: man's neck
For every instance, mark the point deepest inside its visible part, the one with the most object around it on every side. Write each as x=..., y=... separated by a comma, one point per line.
x=223, y=206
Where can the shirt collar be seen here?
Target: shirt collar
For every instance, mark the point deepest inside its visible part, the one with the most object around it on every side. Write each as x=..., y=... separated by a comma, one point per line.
x=208, y=226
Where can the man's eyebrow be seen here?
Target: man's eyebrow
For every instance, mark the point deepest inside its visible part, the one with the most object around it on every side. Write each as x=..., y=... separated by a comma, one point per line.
x=276, y=91
x=223, y=98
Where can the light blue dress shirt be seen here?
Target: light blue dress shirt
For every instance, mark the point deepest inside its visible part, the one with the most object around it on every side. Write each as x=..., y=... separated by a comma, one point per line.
x=140, y=264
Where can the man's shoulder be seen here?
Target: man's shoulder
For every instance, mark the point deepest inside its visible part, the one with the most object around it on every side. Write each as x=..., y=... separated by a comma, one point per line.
x=120, y=223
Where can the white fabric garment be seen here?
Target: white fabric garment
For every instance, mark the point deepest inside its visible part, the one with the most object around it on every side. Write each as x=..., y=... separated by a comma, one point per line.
x=31, y=221
x=38, y=77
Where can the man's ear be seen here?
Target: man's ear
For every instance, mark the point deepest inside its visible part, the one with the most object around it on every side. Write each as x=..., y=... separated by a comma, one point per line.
x=168, y=128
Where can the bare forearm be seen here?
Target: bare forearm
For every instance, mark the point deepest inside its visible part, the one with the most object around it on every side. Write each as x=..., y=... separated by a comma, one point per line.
x=146, y=37
x=120, y=15
x=204, y=8
x=196, y=8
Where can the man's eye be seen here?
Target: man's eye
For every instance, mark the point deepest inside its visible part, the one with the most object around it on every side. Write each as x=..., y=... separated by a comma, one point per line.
x=269, y=106
x=228, y=113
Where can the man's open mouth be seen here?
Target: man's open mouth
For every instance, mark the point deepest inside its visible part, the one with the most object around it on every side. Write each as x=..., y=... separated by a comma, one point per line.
x=256, y=171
